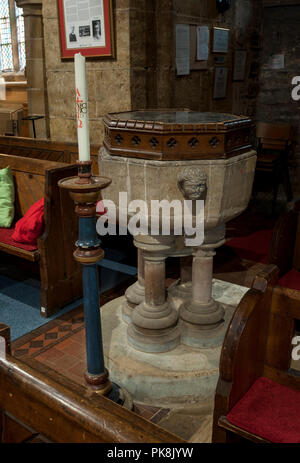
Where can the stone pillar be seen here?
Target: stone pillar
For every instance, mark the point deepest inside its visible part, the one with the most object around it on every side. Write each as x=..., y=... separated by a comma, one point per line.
x=183, y=287
x=202, y=316
x=185, y=269
x=135, y=294
x=181, y=290
x=154, y=322
x=35, y=65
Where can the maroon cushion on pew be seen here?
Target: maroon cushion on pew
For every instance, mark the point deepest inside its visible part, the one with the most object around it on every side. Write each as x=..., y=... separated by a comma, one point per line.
x=252, y=247
x=290, y=280
x=269, y=410
x=6, y=238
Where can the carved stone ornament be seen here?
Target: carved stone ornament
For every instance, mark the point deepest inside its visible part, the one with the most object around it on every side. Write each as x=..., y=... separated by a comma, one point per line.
x=192, y=184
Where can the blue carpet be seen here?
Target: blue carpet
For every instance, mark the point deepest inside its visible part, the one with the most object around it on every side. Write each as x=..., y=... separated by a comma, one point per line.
x=20, y=300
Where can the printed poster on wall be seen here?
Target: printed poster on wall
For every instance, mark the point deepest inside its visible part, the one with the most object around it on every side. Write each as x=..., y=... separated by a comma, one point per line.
x=220, y=84
x=221, y=40
x=240, y=60
x=86, y=27
x=182, y=49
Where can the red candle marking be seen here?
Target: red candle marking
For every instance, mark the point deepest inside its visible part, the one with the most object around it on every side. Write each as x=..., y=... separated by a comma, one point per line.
x=79, y=102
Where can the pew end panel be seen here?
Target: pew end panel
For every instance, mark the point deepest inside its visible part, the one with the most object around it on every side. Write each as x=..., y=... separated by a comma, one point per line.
x=60, y=274
x=5, y=347
x=243, y=352
x=285, y=313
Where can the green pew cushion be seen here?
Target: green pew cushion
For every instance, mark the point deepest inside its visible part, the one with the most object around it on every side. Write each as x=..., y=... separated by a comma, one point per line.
x=7, y=197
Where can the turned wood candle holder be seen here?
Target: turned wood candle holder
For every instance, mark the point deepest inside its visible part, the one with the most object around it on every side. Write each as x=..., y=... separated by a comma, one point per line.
x=85, y=190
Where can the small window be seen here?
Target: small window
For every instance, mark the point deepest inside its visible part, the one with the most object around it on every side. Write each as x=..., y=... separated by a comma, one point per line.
x=12, y=39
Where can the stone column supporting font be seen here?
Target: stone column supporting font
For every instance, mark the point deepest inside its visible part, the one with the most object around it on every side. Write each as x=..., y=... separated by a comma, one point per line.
x=202, y=316
x=135, y=294
x=154, y=322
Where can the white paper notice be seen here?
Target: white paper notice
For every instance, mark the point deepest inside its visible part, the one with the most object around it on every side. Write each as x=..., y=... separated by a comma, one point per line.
x=220, y=86
x=2, y=89
x=276, y=62
x=202, y=43
x=182, y=49
x=84, y=23
x=221, y=39
x=240, y=59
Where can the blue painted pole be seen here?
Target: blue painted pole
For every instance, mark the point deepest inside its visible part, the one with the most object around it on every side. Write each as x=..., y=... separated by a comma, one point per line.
x=84, y=190
x=94, y=346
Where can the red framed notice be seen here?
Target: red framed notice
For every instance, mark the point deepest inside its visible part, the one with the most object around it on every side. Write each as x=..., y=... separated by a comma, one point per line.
x=86, y=26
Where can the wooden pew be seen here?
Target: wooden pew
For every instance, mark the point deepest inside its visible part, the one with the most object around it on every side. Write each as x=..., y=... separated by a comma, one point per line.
x=285, y=242
x=258, y=344
x=65, y=152
x=38, y=403
x=285, y=253
x=60, y=274
x=5, y=335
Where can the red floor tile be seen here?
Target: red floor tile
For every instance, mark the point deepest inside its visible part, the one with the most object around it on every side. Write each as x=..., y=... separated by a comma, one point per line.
x=73, y=348
x=78, y=369
x=145, y=411
x=51, y=355
x=64, y=363
x=64, y=344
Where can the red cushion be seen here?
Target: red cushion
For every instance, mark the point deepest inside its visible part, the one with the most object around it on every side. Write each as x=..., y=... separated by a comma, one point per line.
x=269, y=410
x=290, y=280
x=253, y=247
x=6, y=238
x=30, y=227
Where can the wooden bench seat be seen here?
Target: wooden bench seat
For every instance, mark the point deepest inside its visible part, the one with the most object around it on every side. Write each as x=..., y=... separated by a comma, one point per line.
x=8, y=245
x=60, y=275
x=268, y=410
x=224, y=424
x=256, y=367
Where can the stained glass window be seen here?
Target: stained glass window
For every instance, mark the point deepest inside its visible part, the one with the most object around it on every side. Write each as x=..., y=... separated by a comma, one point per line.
x=11, y=33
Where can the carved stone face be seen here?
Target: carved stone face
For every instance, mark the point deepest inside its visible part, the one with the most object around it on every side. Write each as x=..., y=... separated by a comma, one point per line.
x=192, y=184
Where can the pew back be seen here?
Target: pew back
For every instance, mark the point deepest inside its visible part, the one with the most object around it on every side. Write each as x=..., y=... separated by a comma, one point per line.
x=60, y=273
x=65, y=152
x=29, y=177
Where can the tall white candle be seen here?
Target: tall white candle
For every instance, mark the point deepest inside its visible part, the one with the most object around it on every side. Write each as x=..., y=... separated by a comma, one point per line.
x=83, y=132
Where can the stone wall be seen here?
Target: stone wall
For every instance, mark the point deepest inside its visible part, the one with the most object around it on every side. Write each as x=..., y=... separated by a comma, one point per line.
x=108, y=80
x=157, y=85
x=35, y=65
x=143, y=73
x=275, y=104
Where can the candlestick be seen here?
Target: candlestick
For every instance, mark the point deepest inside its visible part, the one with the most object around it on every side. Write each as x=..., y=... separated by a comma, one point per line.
x=88, y=253
x=82, y=108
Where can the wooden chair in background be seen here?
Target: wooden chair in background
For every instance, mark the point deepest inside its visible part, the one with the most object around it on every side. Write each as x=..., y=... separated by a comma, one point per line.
x=274, y=143
x=285, y=245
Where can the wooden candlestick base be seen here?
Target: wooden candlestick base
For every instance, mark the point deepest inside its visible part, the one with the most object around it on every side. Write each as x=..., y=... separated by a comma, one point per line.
x=84, y=173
